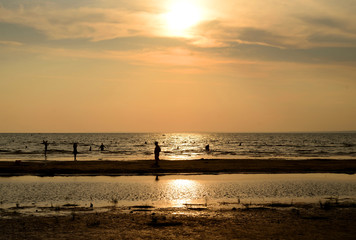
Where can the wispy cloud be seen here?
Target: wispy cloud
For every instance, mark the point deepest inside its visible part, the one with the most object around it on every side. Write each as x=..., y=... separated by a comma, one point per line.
x=282, y=24
x=91, y=23
x=297, y=24
x=270, y=30
x=11, y=43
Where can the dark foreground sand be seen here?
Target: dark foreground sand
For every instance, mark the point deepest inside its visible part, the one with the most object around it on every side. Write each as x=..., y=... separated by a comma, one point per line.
x=145, y=167
x=301, y=221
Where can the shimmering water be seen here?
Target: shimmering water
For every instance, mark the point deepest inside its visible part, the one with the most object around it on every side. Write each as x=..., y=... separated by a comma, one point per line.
x=139, y=146
x=174, y=191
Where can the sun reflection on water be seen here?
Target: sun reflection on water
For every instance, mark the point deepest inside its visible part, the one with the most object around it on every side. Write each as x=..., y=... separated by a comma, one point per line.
x=183, y=191
x=184, y=146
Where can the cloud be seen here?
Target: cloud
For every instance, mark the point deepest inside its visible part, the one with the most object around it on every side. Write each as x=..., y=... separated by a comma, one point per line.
x=323, y=21
x=322, y=32
x=297, y=24
x=221, y=35
x=282, y=24
x=332, y=39
x=84, y=22
x=11, y=43
x=260, y=37
x=281, y=31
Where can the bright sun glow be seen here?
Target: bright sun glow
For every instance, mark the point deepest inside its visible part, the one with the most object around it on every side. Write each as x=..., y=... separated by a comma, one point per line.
x=183, y=183
x=181, y=16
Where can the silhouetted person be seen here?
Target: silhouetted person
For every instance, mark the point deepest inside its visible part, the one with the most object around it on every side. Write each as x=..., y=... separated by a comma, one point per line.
x=157, y=151
x=75, y=151
x=45, y=143
x=102, y=147
x=156, y=178
x=90, y=148
x=207, y=148
x=240, y=144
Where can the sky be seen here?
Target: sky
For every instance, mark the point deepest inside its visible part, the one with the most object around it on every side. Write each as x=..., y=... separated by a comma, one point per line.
x=177, y=66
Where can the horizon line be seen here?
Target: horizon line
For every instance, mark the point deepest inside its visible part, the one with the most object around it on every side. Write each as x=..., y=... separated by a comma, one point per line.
x=170, y=132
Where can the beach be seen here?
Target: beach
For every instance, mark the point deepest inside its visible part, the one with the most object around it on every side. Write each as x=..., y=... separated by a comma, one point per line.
x=147, y=167
x=177, y=119
x=303, y=221
x=327, y=219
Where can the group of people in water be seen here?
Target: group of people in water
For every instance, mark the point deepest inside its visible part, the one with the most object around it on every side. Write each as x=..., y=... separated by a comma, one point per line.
x=101, y=148
x=75, y=149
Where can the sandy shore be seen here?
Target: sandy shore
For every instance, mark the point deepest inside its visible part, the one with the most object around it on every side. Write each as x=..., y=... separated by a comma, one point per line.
x=303, y=221
x=145, y=167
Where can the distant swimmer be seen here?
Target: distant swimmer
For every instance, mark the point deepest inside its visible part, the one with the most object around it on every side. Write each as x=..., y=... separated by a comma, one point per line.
x=157, y=151
x=102, y=147
x=45, y=143
x=75, y=151
x=207, y=148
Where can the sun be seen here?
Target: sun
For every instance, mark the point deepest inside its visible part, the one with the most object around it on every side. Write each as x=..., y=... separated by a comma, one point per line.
x=181, y=16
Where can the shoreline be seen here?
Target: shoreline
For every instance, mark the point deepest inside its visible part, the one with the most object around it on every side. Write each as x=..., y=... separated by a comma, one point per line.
x=146, y=167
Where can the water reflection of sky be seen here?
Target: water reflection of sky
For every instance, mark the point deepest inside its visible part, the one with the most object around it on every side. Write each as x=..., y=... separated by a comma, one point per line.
x=174, y=190
x=182, y=191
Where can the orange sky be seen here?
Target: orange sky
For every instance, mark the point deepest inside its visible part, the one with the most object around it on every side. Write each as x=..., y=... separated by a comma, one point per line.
x=157, y=66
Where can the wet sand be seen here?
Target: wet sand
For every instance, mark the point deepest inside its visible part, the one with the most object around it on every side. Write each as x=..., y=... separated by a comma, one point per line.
x=146, y=167
x=292, y=222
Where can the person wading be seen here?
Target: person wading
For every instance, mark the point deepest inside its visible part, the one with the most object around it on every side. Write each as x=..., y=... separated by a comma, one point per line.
x=75, y=151
x=157, y=151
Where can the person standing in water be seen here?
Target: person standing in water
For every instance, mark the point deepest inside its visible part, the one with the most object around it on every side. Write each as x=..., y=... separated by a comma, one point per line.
x=75, y=151
x=102, y=147
x=157, y=151
x=45, y=143
x=207, y=148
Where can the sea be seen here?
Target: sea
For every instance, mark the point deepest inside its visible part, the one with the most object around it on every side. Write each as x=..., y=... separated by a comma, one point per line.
x=178, y=146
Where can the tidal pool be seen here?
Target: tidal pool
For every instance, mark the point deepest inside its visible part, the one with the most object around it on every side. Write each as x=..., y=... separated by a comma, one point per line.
x=173, y=190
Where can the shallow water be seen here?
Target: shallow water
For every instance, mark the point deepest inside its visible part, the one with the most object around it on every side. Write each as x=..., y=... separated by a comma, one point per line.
x=174, y=190
x=133, y=146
